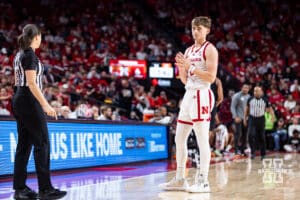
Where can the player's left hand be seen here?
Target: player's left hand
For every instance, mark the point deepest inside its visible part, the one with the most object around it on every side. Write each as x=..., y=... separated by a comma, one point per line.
x=181, y=61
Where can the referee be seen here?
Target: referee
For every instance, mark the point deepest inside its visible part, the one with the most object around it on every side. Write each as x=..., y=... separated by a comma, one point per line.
x=255, y=113
x=29, y=108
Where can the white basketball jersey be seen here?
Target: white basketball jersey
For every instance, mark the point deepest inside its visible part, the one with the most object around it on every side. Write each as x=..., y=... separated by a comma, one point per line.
x=197, y=59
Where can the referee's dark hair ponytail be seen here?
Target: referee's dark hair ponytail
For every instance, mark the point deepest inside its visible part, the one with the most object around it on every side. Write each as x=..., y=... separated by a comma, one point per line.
x=28, y=33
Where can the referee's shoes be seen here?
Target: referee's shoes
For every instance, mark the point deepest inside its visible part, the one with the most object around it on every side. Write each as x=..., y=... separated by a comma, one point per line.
x=51, y=193
x=25, y=193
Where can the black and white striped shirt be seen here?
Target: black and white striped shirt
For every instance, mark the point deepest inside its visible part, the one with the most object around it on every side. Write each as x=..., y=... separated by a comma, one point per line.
x=27, y=60
x=257, y=106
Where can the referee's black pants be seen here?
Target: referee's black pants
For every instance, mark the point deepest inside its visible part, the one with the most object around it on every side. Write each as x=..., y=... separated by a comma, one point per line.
x=32, y=131
x=256, y=131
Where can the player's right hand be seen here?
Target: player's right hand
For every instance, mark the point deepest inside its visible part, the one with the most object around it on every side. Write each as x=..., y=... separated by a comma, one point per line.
x=182, y=61
x=179, y=56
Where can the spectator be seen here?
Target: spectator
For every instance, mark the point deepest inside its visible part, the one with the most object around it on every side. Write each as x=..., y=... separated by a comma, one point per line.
x=3, y=110
x=295, y=86
x=134, y=116
x=294, y=142
x=92, y=74
x=270, y=119
x=232, y=45
x=66, y=113
x=156, y=117
x=290, y=103
x=221, y=45
x=165, y=118
x=275, y=96
x=294, y=126
x=126, y=95
x=111, y=92
x=296, y=112
x=106, y=113
x=83, y=111
x=172, y=107
x=280, y=134
x=162, y=99
x=95, y=111
x=284, y=87
x=116, y=115
x=141, y=99
x=219, y=139
x=296, y=93
x=141, y=54
x=49, y=94
x=288, y=74
x=150, y=99
x=5, y=98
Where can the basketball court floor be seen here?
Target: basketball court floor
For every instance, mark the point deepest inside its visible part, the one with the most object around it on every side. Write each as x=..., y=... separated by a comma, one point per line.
x=275, y=178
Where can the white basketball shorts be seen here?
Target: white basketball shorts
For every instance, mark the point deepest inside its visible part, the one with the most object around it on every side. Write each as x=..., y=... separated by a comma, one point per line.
x=196, y=106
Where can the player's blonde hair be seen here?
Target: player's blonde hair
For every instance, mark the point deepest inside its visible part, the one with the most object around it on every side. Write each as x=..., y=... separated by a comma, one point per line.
x=202, y=20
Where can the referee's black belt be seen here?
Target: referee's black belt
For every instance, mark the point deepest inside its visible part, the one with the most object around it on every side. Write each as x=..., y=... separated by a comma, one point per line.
x=21, y=89
x=257, y=117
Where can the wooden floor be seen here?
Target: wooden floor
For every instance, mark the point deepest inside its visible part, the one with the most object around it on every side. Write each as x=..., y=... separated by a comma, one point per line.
x=276, y=178
x=240, y=180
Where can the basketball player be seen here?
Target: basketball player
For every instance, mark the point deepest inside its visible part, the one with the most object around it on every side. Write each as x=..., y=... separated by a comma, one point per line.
x=197, y=70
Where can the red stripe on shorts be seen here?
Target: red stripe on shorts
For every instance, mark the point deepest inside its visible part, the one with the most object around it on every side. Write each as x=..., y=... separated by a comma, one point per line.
x=184, y=122
x=198, y=108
